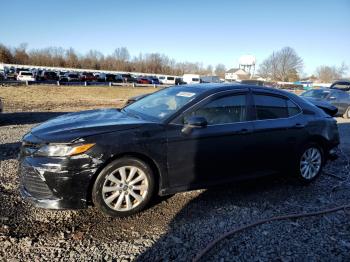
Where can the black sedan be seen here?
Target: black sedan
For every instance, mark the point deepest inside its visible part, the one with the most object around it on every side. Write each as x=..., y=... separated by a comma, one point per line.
x=338, y=98
x=177, y=139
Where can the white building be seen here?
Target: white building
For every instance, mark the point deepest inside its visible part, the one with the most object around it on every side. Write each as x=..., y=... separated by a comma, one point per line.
x=236, y=74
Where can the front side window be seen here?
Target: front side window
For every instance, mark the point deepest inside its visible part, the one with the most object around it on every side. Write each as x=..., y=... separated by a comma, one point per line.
x=273, y=107
x=223, y=110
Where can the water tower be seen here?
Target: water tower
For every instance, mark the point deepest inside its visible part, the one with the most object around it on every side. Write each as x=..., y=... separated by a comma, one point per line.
x=247, y=63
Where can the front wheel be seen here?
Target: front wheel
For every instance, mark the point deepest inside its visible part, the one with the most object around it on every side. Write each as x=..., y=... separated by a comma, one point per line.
x=311, y=161
x=124, y=187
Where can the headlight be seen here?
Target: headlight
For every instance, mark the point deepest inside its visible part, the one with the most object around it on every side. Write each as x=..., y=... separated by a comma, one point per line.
x=63, y=150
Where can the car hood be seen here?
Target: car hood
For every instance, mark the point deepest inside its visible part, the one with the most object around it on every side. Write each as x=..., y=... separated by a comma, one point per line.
x=70, y=127
x=325, y=106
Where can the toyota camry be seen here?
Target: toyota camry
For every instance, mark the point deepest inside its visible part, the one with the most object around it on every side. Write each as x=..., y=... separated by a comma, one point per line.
x=177, y=139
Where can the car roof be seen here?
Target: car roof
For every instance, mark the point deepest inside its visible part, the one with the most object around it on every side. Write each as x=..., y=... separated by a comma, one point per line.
x=215, y=87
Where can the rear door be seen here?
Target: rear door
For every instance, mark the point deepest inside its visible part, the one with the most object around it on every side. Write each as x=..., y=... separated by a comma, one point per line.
x=278, y=130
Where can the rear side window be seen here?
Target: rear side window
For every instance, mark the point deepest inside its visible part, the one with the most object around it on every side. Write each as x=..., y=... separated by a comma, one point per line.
x=272, y=107
x=293, y=109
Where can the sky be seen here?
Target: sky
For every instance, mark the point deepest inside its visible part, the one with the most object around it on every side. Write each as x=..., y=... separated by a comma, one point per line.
x=210, y=32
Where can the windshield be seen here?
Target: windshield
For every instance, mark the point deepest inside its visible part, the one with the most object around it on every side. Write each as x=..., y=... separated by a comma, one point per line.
x=162, y=104
x=317, y=93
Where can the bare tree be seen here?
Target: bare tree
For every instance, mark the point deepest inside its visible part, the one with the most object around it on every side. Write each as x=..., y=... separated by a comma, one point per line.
x=220, y=70
x=72, y=58
x=20, y=55
x=121, y=54
x=283, y=65
x=330, y=73
x=5, y=54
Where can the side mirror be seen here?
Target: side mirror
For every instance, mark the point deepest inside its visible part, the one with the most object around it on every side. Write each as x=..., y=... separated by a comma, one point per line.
x=194, y=122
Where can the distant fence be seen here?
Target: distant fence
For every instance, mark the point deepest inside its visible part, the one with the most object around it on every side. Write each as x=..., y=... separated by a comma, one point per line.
x=59, y=83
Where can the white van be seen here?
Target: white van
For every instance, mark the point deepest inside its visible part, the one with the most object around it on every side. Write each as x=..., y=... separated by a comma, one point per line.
x=167, y=80
x=191, y=79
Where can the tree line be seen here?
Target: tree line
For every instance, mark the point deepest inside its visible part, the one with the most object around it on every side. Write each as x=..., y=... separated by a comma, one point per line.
x=119, y=60
x=282, y=65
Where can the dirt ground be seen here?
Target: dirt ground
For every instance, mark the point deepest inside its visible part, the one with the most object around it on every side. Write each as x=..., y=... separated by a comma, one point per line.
x=66, y=98
x=171, y=229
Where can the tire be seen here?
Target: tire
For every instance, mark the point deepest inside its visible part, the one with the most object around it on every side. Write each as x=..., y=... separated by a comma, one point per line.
x=347, y=114
x=115, y=192
x=310, y=163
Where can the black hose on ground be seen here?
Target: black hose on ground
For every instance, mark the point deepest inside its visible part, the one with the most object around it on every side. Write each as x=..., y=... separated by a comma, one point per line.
x=263, y=221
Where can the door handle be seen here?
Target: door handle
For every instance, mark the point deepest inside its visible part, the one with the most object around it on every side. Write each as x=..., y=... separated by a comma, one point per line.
x=298, y=125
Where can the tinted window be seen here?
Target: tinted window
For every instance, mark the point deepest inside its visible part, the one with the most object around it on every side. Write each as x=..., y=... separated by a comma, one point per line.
x=339, y=95
x=224, y=110
x=341, y=85
x=316, y=93
x=270, y=107
x=170, y=78
x=293, y=109
x=26, y=74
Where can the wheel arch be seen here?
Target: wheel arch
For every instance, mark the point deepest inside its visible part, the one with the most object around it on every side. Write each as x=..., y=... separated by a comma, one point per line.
x=319, y=140
x=153, y=165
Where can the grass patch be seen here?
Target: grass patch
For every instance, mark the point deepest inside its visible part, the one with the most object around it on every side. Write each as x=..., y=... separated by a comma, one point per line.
x=66, y=98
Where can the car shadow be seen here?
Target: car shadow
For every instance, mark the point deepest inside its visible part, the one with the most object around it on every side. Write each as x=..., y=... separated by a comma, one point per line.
x=23, y=118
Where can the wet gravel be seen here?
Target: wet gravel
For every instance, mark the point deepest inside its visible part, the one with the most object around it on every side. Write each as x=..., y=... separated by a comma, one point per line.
x=177, y=228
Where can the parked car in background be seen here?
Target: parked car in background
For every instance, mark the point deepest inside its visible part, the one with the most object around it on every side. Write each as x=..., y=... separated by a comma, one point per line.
x=154, y=80
x=210, y=79
x=103, y=77
x=191, y=78
x=128, y=78
x=11, y=74
x=340, y=99
x=87, y=77
x=343, y=85
x=70, y=77
x=60, y=75
x=25, y=76
x=144, y=80
x=179, y=81
x=118, y=159
x=2, y=75
x=167, y=80
x=253, y=82
x=48, y=76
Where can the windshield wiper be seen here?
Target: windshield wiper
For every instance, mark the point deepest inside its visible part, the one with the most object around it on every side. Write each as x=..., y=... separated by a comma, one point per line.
x=130, y=113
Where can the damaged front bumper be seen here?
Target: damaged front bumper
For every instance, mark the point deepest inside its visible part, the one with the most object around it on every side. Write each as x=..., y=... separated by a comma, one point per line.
x=57, y=183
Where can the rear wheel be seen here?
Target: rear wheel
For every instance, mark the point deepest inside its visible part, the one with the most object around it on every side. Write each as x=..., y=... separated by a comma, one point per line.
x=124, y=187
x=347, y=113
x=311, y=161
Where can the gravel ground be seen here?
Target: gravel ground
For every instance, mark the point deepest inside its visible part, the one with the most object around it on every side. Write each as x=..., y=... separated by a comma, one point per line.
x=177, y=228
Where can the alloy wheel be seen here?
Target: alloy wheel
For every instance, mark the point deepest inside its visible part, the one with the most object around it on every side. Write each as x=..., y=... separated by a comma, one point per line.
x=125, y=188
x=310, y=163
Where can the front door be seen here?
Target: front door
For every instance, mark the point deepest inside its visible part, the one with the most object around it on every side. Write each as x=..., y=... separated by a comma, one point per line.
x=214, y=153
